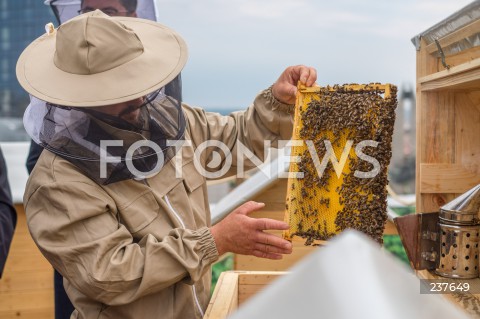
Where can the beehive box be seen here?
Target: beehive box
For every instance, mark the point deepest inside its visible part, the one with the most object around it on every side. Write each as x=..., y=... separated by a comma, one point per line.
x=235, y=287
x=448, y=109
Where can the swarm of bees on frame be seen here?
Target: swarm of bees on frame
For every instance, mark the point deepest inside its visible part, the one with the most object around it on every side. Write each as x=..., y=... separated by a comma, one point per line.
x=319, y=206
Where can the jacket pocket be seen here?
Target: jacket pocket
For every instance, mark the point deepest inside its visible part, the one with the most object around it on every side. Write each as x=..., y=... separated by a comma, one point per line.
x=140, y=212
x=192, y=179
x=196, y=195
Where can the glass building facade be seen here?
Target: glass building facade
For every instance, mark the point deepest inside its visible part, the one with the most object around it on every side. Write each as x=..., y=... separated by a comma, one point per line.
x=21, y=22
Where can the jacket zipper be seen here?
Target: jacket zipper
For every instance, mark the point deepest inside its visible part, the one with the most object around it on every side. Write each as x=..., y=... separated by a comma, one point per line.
x=174, y=212
x=183, y=226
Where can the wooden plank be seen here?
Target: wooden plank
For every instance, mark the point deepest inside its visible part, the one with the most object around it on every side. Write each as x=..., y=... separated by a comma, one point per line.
x=26, y=262
x=258, y=277
x=26, y=288
x=276, y=193
x=437, y=142
x=447, y=178
x=452, y=78
x=467, y=131
x=242, y=262
x=474, y=97
x=250, y=283
x=14, y=281
x=425, y=64
x=300, y=251
x=422, y=100
x=23, y=241
x=473, y=64
x=24, y=254
x=46, y=313
x=233, y=288
x=461, y=57
x=272, y=207
x=463, y=81
x=20, y=300
x=225, y=297
x=247, y=291
x=433, y=202
x=390, y=229
x=456, y=36
x=277, y=215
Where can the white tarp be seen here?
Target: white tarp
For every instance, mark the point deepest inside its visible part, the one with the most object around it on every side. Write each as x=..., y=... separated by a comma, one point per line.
x=350, y=278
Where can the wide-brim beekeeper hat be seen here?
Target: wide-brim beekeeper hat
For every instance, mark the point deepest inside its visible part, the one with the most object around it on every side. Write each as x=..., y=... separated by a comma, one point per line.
x=96, y=60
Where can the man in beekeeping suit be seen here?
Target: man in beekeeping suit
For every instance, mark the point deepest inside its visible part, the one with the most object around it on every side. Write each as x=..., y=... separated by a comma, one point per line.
x=105, y=203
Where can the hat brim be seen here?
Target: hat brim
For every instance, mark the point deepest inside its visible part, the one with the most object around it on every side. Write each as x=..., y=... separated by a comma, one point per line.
x=164, y=56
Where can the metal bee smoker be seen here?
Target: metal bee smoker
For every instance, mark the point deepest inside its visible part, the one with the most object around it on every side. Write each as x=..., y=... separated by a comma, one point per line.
x=459, y=227
x=446, y=241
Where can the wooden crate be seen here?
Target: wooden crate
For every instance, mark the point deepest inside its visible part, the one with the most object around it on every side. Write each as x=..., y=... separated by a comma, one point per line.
x=448, y=121
x=235, y=287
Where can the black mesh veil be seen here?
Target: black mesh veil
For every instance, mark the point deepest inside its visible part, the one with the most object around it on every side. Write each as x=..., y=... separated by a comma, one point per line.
x=108, y=148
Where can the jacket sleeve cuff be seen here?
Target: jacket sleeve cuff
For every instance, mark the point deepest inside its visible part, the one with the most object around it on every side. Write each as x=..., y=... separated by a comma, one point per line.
x=275, y=116
x=276, y=104
x=206, y=244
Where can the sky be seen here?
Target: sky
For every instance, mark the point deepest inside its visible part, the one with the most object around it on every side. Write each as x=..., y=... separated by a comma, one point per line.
x=239, y=47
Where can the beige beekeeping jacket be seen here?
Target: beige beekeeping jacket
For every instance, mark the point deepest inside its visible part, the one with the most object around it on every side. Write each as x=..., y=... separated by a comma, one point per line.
x=141, y=249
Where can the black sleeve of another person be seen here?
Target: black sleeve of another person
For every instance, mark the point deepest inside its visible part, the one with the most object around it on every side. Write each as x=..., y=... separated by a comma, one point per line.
x=33, y=155
x=8, y=216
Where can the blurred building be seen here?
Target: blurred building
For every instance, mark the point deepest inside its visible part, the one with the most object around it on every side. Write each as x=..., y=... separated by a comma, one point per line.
x=402, y=166
x=21, y=22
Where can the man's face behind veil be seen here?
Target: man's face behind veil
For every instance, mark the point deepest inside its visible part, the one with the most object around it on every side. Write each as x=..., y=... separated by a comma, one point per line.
x=109, y=7
x=127, y=111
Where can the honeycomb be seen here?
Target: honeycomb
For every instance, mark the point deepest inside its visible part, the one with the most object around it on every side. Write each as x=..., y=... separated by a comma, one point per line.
x=342, y=141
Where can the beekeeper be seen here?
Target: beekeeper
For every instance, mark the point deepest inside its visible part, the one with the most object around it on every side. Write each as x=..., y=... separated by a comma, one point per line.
x=104, y=202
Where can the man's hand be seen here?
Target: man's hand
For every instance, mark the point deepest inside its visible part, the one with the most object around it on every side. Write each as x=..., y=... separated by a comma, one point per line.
x=285, y=88
x=240, y=234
